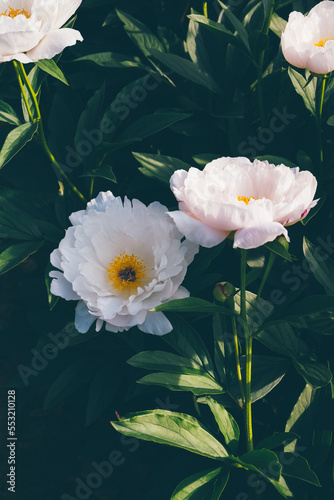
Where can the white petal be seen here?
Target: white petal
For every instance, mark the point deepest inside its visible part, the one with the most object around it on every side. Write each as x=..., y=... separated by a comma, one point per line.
x=66, y=9
x=197, y=231
x=55, y=258
x=103, y=201
x=156, y=323
x=83, y=318
x=61, y=287
x=253, y=237
x=54, y=43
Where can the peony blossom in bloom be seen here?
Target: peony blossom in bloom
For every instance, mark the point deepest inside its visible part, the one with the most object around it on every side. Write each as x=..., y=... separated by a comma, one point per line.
x=30, y=29
x=121, y=260
x=256, y=200
x=308, y=41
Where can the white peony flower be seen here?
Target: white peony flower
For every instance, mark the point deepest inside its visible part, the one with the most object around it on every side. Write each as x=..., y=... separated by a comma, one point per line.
x=121, y=260
x=308, y=41
x=30, y=29
x=256, y=200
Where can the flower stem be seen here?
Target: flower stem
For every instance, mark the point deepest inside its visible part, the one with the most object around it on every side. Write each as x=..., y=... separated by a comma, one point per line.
x=237, y=359
x=248, y=338
x=24, y=80
x=24, y=95
x=319, y=120
x=270, y=263
x=260, y=64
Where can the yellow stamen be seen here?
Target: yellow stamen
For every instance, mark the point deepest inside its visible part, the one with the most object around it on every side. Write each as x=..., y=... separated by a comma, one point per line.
x=322, y=42
x=246, y=199
x=14, y=12
x=126, y=272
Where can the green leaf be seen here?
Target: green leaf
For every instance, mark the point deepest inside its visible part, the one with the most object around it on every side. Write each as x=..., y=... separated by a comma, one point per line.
x=16, y=140
x=187, y=69
x=102, y=390
x=174, y=429
x=314, y=373
x=238, y=26
x=112, y=60
x=309, y=307
x=204, y=158
x=198, y=486
x=258, y=42
x=140, y=34
x=8, y=114
x=197, y=384
x=196, y=46
x=281, y=338
x=73, y=377
x=312, y=418
x=264, y=462
x=165, y=361
x=276, y=247
x=17, y=253
x=119, y=110
x=321, y=265
x=297, y=466
x=227, y=425
x=152, y=124
x=276, y=440
x=159, y=166
x=187, y=342
x=256, y=310
x=104, y=172
x=307, y=93
x=88, y=128
x=194, y=305
x=322, y=323
x=50, y=67
x=277, y=24
x=299, y=412
x=220, y=30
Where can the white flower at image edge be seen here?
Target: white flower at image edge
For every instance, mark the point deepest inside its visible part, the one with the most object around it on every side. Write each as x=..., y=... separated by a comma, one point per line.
x=30, y=29
x=308, y=41
x=256, y=200
x=121, y=260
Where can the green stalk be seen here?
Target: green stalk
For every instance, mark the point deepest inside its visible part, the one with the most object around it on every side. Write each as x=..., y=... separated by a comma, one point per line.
x=237, y=359
x=265, y=30
x=24, y=80
x=24, y=95
x=319, y=121
x=248, y=338
x=270, y=263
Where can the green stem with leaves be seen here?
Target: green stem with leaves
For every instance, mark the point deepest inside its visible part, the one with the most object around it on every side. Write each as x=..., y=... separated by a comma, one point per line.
x=248, y=339
x=25, y=82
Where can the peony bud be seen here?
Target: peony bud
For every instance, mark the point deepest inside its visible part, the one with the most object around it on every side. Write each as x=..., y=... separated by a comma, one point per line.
x=223, y=291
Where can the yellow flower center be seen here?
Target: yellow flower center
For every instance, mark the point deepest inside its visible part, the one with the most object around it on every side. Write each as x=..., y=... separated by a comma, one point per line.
x=126, y=272
x=246, y=199
x=322, y=42
x=14, y=12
